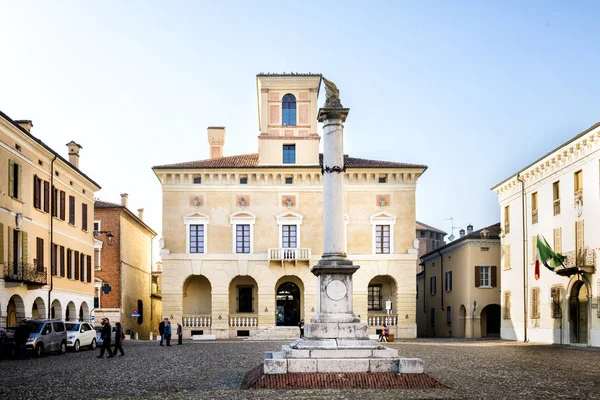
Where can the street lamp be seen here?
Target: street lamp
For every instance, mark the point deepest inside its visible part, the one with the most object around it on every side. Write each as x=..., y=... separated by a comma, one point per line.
x=109, y=236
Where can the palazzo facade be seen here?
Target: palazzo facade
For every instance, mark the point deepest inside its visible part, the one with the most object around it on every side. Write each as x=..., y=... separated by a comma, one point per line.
x=241, y=233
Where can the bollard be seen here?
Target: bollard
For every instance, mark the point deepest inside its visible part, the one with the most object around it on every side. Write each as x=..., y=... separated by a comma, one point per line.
x=136, y=336
x=151, y=335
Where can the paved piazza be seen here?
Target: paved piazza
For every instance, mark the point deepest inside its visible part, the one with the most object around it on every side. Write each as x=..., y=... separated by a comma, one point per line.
x=479, y=369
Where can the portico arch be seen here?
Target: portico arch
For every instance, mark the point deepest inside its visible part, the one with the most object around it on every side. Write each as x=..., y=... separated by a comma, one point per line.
x=56, y=310
x=382, y=292
x=84, y=312
x=38, y=309
x=71, y=313
x=289, y=293
x=197, y=296
x=243, y=295
x=579, y=314
x=15, y=310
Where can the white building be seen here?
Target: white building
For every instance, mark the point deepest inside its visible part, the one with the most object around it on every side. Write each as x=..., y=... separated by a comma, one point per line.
x=560, y=194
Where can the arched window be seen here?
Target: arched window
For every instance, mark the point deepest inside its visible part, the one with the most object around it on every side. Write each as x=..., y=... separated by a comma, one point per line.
x=288, y=116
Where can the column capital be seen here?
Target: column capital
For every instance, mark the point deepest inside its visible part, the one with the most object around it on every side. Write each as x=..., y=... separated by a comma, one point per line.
x=326, y=113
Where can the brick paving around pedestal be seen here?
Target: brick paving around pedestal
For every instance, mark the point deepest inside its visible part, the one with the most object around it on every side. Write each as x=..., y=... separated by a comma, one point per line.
x=215, y=370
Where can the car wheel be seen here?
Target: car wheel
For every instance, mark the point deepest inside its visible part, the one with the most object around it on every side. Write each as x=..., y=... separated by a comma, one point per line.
x=39, y=350
x=93, y=345
x=63, y=347
x=76, y=346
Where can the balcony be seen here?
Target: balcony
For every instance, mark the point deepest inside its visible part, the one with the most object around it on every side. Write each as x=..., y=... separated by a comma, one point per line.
x=289, y=254
x=557, y=207
x=25, y=273
x=534, y=216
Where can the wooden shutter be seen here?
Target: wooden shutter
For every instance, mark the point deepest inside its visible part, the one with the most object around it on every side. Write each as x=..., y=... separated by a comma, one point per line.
x=36, y=192
x=76, y=265
x=493, y=275
x=24, y=250
x=46, y=196
x=39, y=253
x=11, y=178
x=477, y=276
x=72, y=210
x=19, y=193
x=89, y=269
x=558, y=240
x=62, y=205
x=54, y=205
x=579, y=242
x=1, y=243
x=62, y=261
x=82, y=267
x=533, y=248
x=84, y=217
x=11, y=256
x=69, y=262
x=53, y=259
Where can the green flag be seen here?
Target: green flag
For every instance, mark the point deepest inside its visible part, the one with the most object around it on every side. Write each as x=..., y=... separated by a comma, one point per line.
x=547, y=256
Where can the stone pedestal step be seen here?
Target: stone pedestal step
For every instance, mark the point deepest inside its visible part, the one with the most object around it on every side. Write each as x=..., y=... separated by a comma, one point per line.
x=276, y=333
x=275, y=363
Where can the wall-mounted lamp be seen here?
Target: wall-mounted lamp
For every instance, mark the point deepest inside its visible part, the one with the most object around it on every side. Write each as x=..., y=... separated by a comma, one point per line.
x=312, y=309
x=382, y=202
x=109, y=236
x=220, y=317
x=406, y=316
x=288, y=202
x=242, y=202
x=266, y=309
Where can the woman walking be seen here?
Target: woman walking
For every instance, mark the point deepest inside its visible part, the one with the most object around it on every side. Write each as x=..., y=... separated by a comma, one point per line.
x=119, y=336
x=179, y=333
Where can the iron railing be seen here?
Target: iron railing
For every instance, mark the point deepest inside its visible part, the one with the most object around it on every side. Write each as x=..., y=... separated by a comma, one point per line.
x=26, y=273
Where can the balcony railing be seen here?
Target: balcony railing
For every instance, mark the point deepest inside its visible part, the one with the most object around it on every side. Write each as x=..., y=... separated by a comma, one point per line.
x=197, y=321
x=243, y=321
x=289, y=254
x=556, y=206
x=379, y=320
x=506, y=227
x=26, y=273
x=534, y=216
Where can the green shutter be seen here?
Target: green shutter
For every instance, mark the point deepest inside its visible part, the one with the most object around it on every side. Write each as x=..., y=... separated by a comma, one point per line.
x=1, y=243
x=11, y=178
x=19, y=193
x=11, y=256
x=24, y=244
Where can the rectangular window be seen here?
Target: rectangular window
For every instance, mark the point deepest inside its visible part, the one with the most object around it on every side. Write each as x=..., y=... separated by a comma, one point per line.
x=84, y=217
x=39, y=254
x=485, y=276
x=382, y=178
x=69, y=264
x=243, y=181
x=54, y=259
x=507, y=219
x=288, y=236
x=448, y=283
x=432, y=285
x=197, y=180
x=382, y=239
x=96, y=226
x=289, y=180
x=14, y=180
x=62, y=261
x=578, y=177
x=556, y=306
x=88, y=263
x=196, y=238
x=374, y=297
x=242, y=238
x=556, y=197
x=54, y=202
x=507, y=256
x=433, y=317
x=289, y=153
x=579, y=253
x=506, y=305
x=46, y=196
x=37, y=192
x=76, y=267
x=72, y=210
x=535, y=303
x=245, y=299
x=558, y=240
x=62, y=205
x=449, y=315
x=534, y=208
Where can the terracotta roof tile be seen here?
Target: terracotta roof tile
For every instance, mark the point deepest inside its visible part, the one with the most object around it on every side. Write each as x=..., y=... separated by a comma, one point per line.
x=106, y=204
x=494, y=234
x=426, y=227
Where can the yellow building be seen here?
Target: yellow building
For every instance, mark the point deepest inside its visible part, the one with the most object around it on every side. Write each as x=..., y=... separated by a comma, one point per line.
x=240, y=233
x=460, y=286
x=46, y=239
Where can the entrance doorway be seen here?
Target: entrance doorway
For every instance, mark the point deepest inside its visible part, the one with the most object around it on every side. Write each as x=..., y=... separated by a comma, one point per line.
x=578, y=313
x=288, y=304
x=490, y=321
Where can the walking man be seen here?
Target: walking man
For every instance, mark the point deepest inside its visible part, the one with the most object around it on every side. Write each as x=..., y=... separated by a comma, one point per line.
x=179, y=333
x=119, y=336
x=168, y=332
x=161, y=330
x=105, y=335
x=301, y=326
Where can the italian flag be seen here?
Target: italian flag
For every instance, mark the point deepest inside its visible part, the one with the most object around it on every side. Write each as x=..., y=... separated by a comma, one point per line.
x=547, y=256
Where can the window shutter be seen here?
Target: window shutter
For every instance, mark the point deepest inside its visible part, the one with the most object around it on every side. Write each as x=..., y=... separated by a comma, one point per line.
x=89, y=269
x=533, y=248
x=53, y=259
x=477, y=276
x=62, y=261
x=39, y=253
x=11, y=178
x=69, y=261
x=84, y=217
x=36, y=192
x=1, y=243
x=62, y=205
x=46, y=196
x=19, y=193
x=450, y=280
x=76, y=265
x=11, y=256
x=24, y=250
x=54, y=205
x=493, y=275
x=82, y=267
x=72, y=210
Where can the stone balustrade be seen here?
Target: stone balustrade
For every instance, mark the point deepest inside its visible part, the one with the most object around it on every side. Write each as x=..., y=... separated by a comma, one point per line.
x=240, y=320
x=289, y=254
x=197, y=321
x=379, y=320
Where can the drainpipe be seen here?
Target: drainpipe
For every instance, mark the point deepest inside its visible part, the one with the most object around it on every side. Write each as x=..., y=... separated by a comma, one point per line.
x=52, y=206
x=442, y=277
x=524, y=214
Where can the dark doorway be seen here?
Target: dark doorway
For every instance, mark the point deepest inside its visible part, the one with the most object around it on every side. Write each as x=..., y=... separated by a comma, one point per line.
x=578, y=315
x=288, y=304
x=492, y=321
x=245, y=299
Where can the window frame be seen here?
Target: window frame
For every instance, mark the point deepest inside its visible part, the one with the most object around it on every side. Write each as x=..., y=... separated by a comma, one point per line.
x=242, y=218
x=382, y=218
x=449, y=315
x=196, y=219
x=72, y=210
x=371, y=297
x=287, y=106
x=448, y=281
x=432, y=285
x=287, y=150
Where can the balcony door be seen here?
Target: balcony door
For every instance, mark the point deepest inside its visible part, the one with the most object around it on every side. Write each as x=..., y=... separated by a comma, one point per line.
x=288, y=304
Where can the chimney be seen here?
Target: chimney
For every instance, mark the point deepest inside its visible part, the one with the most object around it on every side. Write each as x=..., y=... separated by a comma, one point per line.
x=124, y=199
x=216, y=140
x=461, y=233
x=25, y=124
x=74, y=153
x=469, y=229
x=141, y=213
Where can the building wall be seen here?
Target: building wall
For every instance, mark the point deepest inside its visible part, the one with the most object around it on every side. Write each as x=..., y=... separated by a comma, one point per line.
x=110, y=271
x=583, y=153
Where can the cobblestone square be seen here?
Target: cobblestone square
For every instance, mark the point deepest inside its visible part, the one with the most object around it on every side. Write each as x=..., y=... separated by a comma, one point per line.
x=470, y=369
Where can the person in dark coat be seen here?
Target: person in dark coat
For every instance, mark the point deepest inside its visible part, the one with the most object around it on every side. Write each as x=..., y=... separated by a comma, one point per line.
x=119, y=337
x=301, y=326
x=105, y=335
x=168, y=332
x=179, y=334
x=161, y=331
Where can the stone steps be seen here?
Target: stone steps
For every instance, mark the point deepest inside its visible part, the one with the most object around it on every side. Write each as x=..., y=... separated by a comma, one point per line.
x=276, y=333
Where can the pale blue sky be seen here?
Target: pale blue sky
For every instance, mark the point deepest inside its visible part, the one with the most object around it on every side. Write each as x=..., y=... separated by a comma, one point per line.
x=476, y=90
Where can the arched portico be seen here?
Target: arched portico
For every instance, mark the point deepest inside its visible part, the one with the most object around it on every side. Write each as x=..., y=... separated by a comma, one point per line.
x=56, y=310
x=490, y=321
x=381, y=301
x=289, y=293
x=71, y=313
x=84, y=312
x=38, y=309
x=15, y=310
x=579, y=314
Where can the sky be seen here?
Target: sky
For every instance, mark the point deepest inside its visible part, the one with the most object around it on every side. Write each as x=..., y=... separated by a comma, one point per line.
x=475, y=90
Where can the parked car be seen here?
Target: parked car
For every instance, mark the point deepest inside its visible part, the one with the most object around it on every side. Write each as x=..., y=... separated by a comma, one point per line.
x=80, y=334
x=45, y=335
x=99, y=340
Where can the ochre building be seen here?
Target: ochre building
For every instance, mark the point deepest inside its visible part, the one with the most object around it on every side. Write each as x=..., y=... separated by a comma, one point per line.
x=240, y=233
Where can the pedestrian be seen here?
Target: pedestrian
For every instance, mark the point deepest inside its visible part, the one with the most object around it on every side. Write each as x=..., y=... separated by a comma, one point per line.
x=301, y=326
x=161, y=330
x=22, y=333
x=168, y=332
x=105, y=335
x=179, y=334
x=119, y=337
